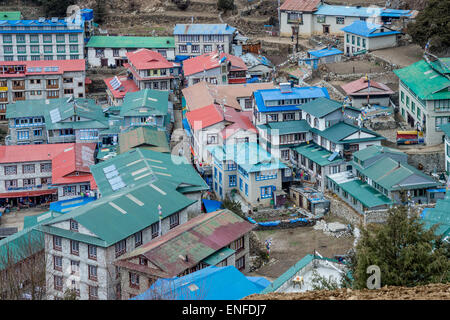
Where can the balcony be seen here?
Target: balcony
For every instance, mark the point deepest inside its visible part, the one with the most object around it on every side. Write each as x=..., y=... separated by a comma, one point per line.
x=18, y=87
x=18, y=98
x=4, y=99
x=52, y=86
x=62, y=139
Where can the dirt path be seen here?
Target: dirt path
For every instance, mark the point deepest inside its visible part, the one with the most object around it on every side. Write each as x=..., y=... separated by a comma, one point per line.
x=15, y=218
x=400, y=56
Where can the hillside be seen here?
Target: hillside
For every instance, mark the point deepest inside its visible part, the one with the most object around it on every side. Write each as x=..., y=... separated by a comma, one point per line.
x=428, y=292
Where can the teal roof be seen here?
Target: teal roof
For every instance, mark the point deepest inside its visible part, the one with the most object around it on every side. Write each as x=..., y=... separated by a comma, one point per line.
x=364, y=193
x=131, y=42
x=342, y=130
x=439, y=215
x=218, y=256
x=390, y=174
x=31, y=221
x=20, y=245
x=250, y=156
x=145, y=103
x=426, y=82
x=10, y=15
x=25, y=108
x=373, y=151
x=317, y=154
x=286, y=127
x=446, y=129
x=320, y=107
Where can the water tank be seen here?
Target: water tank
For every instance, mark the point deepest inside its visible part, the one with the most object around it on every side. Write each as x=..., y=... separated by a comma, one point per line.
x=87, y=14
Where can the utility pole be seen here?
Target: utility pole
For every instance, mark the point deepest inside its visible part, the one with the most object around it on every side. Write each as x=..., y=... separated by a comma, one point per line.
x=298, y=31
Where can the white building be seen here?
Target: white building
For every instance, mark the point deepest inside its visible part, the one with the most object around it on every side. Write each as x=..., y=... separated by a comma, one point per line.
x=103, y=51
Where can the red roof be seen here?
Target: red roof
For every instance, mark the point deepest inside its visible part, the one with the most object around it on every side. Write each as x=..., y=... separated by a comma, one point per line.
x=300, y=5
x=63, y=66
x=353, y=88
x=31, y=152
x=127, y=85
x=148, y=59
x=31, y=193
x=241, y=120
x=209, y=61
x=72, y=161
x=204, y=117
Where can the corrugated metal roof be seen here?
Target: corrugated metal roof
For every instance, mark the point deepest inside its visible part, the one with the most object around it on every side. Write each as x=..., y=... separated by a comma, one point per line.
x=144, y=59
x=130, y=42
x=197, y=239
x=353, y=88
x=317, y=154
x=321, y=106
x=32, y=152
x=424, y=81
x=373, y=151
x=199, y=29
x=300, y=5
x=325, y=52
x=286, y=127
x=145, y=102
x=366, y=29
x=347, y=11
x=211, y=60
x=204, y=117
x=144, y=137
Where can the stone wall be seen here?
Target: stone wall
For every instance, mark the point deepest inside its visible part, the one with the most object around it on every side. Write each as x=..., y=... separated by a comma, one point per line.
x=341, y=209
x=429, y=161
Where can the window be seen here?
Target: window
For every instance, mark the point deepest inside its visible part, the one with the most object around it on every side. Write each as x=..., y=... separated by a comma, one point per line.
x=285, y=154
x=7, y=38
x=20, y=38
x=69, y=190
x=246, y=189
x=402, y=96
x=272, y=117
x=266, y=192
x=92, y=272
x=57, y=263
x=143, y=261
x=211, y=139
x=73, y=225
x=23, y=135
x=92, y=252
x=73, y=38
x=220, y=177
x=57, y=243
x=288, y=116
x=174, y=220
x=238, y=244
x=68, y=91
x=58, y=283
x=232, y=181
x=155, y=230
x=10, y=170
x=47, y=38
x=93, y=293
x=195, y=48
x=138, y=239
x=207, y=48
x=340, y=20
x=407, y=101
x=121, y=248
x=74, y=247
x=60, y=38
x=29, y=182
x=9, y=184
x=134, y=280
x=73, y=48
x=163, y=53
x=182, y=48
x=353, y=39
x=75, y=267
x=240, y=263
x=295, y=17
x=60, y=49
x=240, y=184
x=99, y=53
x=163, y=85
x=364, y=43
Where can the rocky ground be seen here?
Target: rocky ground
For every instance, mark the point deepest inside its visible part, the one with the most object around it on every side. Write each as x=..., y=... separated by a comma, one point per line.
x=428, y=292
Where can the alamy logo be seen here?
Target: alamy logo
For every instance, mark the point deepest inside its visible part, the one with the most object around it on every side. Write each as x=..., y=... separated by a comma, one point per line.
x=374, y=280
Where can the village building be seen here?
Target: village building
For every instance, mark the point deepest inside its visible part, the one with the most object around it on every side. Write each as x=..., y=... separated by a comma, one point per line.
x=219, y=238
x=144, y=138
x=210, y=283
x=310, y=200
x=215, y=125
x=237, y=96
x=322, y=56
x=105, y=51
x=116, y=89
x=82, y=245
x=215, y=68
x=446, y=129
x=31, y=80
x=147, y=108
x=364, y=36
x=425, y=97
x=309, y=17
x=150, y=70
x=62, y=120
x=364, y=91
x=196, y=39
x=43, y=173
x=380, y=177
x=249, y=170
x=438, y=216
x=258, y=67
x=43, y=39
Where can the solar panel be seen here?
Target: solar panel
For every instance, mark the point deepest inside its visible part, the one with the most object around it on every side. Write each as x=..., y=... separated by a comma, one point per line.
x=109, y=168
x=30, y=69
x=55, y=115
x=47, y=69
x=38, y=69
x=55, y=68
x=111, y=174
x=115, y=83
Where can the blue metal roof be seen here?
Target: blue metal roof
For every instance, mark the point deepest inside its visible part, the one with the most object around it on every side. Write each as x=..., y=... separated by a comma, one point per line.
x=325, y=52
x=261, y=96
x=365, y=29
x=211, y=205
x=211, y=283
x=332, y=10
x=197, y=28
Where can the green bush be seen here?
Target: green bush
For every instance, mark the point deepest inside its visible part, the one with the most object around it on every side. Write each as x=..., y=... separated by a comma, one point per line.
x=225, y=5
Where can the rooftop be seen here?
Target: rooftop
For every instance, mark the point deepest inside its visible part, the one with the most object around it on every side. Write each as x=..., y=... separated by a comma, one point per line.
x=286, y=127
x=145, y=103
x=144, y=137
x=199, y=29
x=321, y=107
x=317, y=154
x=342, y=132
x=198, y=238
x=425, y=80
x=374, y=150
x=359, y=88
x=41, y=67
x=300, y=5
x=205, y=117
x=325, y=52
x=347, y=11
x=144, y=59
x=124, y=85
x=369, y=30
x=10, y=15
x=130, y=42
x=211, y=60
x=32, y=152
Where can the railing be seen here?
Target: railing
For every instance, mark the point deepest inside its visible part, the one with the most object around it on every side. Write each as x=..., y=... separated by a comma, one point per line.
x=22, y=87
x=18, y=98
x=52, y=86
x=62, y=139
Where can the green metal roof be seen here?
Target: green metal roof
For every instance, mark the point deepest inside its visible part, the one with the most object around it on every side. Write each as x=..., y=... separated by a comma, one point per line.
x=145, y=103
x=373, y=151
x=320, y=107
x=144, y=137
x=20, y=245
x=131, y=42
x=10, y=15
x=341, y=130
x=286, y=127
x=317, y=154
x=390, y=174
x=31, y=221
x=446, y=129
x=364, y=193
x=219, y=256
x=25, y=108
x=426, y=82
